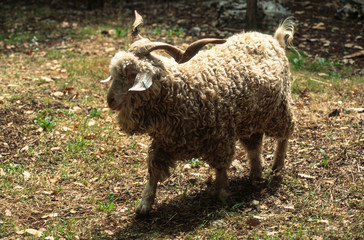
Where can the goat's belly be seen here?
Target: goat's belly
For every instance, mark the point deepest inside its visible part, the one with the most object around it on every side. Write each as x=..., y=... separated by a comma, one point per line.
x=198, y=142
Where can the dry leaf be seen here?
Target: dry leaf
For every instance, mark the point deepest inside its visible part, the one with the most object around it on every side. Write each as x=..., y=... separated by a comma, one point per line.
x=326, y=43
x=111, y=49
x=319, y=25
x=76, y=109
x=306, y=176
x=26, y=175
x=26, y=148
x=58, y=94
x=65, y=24
x=90, y=136
x=54, y=179
x=142, y=145
x=109, y=232
x=68, y=89
x=52, y=215
x=91, y=123
x=34, y=232
x=323, y=221
x=300, y=104
x=289, y=207
x=18, y=187
x=47, y=79
x=7, y=213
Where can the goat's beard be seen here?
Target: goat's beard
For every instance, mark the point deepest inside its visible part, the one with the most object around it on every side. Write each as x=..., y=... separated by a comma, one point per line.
x=134, y=114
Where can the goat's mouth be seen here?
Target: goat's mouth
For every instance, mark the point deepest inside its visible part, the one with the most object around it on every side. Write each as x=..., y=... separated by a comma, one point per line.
x=113, y=103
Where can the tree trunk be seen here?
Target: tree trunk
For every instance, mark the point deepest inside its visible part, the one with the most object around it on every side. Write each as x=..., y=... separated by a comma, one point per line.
x=95, y=4
x=251, y=14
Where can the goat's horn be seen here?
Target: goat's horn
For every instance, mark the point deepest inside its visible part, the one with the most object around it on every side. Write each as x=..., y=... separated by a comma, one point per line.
x=173, y=51
x=195, y=47
x=179, y=55
x=138, y=21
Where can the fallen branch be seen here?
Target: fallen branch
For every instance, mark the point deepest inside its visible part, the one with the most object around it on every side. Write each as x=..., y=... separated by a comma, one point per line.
x=356, y=54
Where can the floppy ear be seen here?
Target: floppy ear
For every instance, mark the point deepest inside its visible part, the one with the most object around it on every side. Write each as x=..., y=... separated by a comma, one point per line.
x=142, y=82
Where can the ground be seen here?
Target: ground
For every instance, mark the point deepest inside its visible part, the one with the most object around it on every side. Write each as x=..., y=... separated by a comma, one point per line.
x=67, y=172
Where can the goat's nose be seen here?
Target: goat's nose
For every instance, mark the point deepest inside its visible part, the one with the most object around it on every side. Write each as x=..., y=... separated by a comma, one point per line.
x=110, y=100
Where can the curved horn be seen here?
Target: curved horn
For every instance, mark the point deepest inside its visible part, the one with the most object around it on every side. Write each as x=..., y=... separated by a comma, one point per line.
x=195, y=47
x=134, y=31
x=179, y=55
x=173, y=51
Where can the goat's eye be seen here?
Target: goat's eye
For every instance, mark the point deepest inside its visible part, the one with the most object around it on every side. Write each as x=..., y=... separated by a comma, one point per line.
x=131, y=75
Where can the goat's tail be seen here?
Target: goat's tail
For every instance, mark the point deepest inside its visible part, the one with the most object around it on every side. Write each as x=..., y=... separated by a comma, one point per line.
x=284, y=32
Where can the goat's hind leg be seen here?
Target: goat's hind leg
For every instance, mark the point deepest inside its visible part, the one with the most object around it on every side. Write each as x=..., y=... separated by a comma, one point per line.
x=253, y=146
x=280, y=155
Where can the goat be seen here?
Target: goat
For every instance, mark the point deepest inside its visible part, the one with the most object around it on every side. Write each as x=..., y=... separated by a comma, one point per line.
x=200, y=103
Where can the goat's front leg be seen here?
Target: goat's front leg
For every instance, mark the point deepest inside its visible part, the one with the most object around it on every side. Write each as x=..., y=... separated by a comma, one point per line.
x=149, y=193
x=158, y=168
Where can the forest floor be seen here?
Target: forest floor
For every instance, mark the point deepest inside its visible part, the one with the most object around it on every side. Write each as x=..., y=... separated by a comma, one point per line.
x=67, y=172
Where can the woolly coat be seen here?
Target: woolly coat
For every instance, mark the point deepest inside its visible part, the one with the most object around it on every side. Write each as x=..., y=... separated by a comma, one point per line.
x=202, y=107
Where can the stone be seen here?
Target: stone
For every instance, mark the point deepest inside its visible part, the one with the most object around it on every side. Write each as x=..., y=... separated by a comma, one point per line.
x=195, y=31
x=273, y=12
x=353, y=9
x=232, y=13
x=218, y=223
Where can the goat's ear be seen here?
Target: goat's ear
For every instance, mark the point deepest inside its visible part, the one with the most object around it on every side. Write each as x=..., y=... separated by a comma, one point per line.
x=142, y=82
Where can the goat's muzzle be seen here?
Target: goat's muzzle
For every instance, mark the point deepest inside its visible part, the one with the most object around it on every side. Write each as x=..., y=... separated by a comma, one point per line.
x=111, y=101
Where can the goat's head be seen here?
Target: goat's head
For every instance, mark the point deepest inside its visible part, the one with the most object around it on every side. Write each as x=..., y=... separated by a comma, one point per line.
x=136, y=69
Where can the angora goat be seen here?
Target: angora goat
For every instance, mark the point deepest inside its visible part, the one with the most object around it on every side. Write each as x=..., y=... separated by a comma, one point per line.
x=238, y=90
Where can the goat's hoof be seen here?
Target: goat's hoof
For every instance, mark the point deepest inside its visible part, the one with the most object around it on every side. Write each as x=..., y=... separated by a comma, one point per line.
x=276, y=171
x=257, y=177
x=222, y=194
x=277, y=168
x=276, y=174
x=143, y=208
x=256, y=180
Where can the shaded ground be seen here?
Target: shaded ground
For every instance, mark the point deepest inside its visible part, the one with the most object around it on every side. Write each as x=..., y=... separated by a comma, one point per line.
x=318, y=32
x=54, y=180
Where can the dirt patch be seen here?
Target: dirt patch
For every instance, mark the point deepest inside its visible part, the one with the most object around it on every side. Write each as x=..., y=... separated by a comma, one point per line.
x=13, y=130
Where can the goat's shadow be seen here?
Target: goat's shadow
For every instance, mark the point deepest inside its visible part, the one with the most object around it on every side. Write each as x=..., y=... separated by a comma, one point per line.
x=185, y=213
